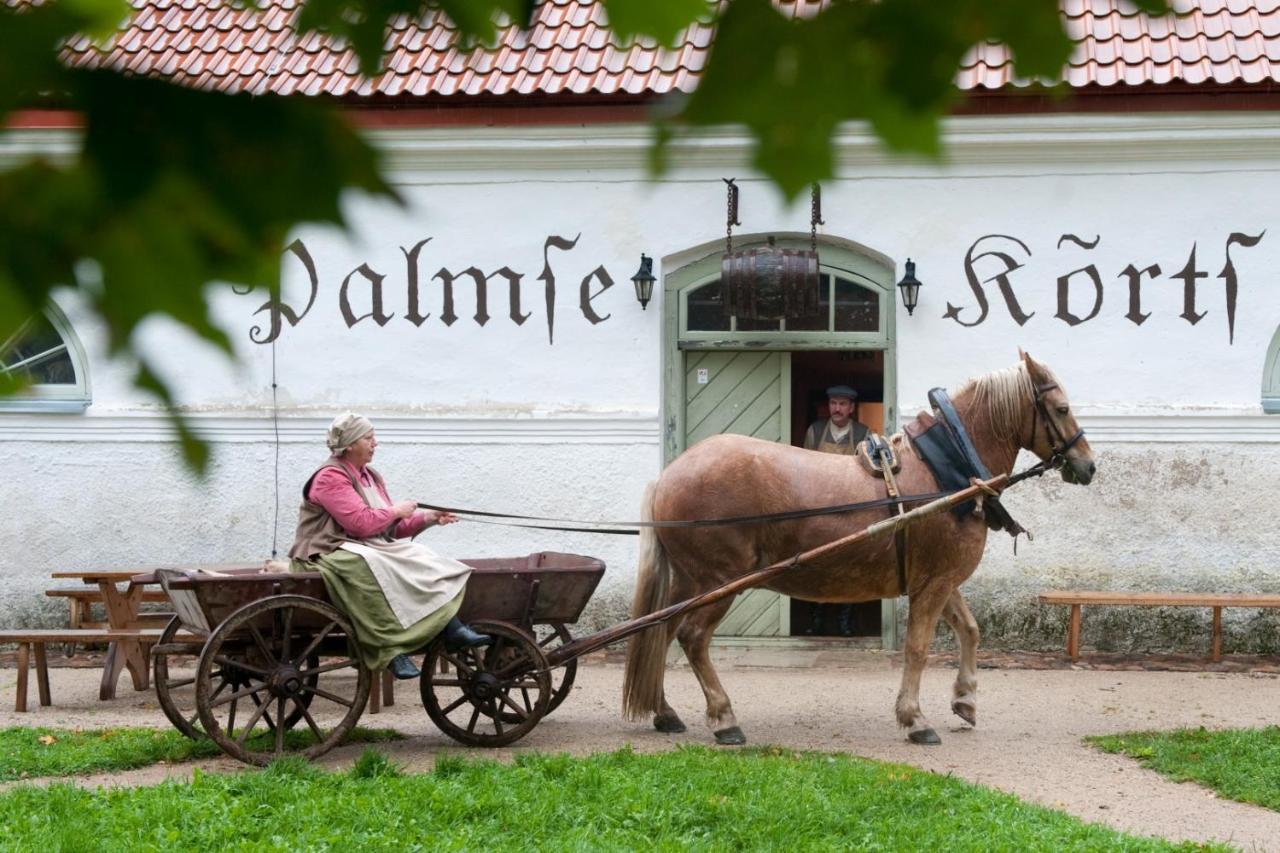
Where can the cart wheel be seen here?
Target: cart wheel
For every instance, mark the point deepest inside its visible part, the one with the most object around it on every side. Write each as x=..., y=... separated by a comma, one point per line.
x=269, y=656
x=491, y=695
x=180, y=708
x=550, y=636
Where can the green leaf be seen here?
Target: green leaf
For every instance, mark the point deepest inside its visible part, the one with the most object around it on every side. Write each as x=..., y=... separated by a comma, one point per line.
x=194, y=451
x=663, y=20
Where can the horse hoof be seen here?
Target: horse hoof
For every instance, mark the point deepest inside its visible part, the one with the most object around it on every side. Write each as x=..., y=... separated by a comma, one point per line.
x=669, y=724
x=968, y=713
x=731, y=736
x=927, y=737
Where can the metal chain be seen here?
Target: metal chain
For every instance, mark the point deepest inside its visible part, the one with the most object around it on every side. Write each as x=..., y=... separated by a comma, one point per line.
x=731, y=213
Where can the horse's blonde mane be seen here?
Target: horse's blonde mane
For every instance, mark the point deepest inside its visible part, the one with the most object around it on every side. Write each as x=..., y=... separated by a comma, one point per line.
x=1004, y=393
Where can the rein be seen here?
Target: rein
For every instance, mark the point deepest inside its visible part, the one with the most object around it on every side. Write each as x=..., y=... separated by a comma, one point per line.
x=614, y=528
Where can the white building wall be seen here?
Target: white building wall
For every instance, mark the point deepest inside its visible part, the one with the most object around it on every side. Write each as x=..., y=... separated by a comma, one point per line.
x=563, y=417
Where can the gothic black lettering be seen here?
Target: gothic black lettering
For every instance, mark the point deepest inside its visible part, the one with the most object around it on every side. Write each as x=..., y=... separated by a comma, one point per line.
x=276, y=305
x=585, y=295
x=1189, y=274
x=375, y=280
x=1135, y=275
x=549, y=278
x=1228, y=276
x=1064, y=284
x=1001, y=278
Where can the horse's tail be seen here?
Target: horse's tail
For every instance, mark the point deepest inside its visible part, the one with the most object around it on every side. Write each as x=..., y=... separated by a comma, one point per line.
x=647, y=650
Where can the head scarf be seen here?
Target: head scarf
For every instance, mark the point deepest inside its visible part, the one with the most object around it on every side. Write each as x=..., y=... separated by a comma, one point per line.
x=346, y=430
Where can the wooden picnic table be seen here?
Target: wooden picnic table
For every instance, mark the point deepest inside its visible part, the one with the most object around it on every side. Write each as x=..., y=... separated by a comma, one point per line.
x=121, y=605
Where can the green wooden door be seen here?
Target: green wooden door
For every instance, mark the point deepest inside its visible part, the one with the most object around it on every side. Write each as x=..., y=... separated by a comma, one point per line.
x=748, y=393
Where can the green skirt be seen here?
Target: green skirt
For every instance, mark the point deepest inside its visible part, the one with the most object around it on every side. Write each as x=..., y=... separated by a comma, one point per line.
x=354, y=591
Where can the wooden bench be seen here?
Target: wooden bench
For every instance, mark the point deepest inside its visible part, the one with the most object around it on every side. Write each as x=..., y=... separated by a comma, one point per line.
x=81, y=600
x=1216, y=600
x=33, y=642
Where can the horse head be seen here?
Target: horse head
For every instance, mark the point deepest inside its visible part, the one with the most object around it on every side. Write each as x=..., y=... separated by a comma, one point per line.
x=1051, y=431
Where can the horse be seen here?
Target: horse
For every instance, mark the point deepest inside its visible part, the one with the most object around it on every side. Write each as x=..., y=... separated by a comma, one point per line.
x=726, y=476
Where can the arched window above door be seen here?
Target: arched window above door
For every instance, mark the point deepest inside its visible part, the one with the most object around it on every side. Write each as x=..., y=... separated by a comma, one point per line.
x=844, y=305
x=46, y=354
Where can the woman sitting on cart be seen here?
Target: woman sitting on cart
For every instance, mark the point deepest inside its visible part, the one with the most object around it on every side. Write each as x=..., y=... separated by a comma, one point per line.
x=398, y=594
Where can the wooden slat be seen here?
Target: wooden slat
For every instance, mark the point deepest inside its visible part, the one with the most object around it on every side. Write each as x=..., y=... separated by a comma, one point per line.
x=94, y=594
x=713, y=406
x=67, y=635
x=1161, y=599
x=762, y=374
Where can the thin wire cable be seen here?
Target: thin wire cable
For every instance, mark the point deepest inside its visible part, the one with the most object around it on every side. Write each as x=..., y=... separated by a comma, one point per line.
x=275, y=424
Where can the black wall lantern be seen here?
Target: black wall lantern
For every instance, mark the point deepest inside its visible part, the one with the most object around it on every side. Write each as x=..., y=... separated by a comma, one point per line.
x=910, y=287
x=643, y=280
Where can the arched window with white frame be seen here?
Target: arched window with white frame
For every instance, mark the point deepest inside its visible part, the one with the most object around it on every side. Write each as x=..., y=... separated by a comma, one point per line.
x=47, y=355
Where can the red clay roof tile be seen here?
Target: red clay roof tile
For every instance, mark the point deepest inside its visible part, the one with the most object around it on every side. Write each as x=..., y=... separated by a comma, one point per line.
x=212, y=43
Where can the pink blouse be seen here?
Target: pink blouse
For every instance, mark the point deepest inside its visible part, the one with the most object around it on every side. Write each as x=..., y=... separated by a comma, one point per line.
x=333, y=491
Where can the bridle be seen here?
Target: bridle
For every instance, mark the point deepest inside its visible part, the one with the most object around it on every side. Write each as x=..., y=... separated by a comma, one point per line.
x=1059, y=444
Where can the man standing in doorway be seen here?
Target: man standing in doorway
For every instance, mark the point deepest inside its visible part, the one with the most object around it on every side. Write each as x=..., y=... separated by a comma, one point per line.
x=837, y=433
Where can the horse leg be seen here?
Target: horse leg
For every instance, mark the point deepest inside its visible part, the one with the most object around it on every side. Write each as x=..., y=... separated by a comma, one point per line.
x=667, y=720
x=965, y=703
x=694, y=634
x=922, y=618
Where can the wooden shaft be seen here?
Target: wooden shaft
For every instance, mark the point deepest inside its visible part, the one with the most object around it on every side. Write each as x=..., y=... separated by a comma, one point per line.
x=592, y=642
x=24, y=657
x=1217, y=634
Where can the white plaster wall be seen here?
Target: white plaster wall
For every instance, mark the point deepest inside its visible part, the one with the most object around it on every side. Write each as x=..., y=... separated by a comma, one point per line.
x=496, y=416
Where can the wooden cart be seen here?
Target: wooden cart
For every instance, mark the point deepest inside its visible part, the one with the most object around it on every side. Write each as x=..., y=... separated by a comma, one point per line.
x=274, y=656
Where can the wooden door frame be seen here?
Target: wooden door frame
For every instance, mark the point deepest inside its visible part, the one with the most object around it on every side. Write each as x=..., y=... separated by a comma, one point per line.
x=841, y=257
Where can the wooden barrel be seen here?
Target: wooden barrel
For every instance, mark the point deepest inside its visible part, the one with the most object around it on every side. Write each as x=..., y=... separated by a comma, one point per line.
x=769, y=283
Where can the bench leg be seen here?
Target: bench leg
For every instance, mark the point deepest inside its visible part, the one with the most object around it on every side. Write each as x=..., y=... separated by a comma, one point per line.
x=42, y=674
x=1073, y=633
x=375, y=698
x=24, y=653
x=388, y=689
x=1217, y=634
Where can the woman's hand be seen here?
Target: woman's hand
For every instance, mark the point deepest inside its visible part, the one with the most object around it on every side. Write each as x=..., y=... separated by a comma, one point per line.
x=404, y=509
x=434, y=516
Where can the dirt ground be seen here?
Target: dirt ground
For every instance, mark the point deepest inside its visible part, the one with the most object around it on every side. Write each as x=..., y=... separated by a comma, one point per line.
x=1027, y=742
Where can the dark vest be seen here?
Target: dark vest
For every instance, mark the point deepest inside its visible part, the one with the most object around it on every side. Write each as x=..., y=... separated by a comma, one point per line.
x=318, y=532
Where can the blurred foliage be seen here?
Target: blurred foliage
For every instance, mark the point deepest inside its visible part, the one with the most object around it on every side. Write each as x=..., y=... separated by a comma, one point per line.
x=176, y=188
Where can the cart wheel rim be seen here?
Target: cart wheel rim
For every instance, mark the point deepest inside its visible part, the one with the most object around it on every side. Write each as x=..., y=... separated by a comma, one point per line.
x=270, y=659
x=183, y=715
x=491, y=695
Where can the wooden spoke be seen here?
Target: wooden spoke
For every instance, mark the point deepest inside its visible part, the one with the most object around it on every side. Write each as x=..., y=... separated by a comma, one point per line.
x=452, y=706
x=522, y=713
x=315, y=643
x=280, y=717
x=253, y=721
x=475, y=716
x=175, y=683
x=240, y=664
x=325, y=694
x=261, y=643
x=287, y=635
x=329, y=667
x=236, y=696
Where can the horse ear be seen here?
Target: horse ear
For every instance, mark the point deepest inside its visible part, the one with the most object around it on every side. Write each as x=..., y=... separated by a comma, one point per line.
x=1033, y=366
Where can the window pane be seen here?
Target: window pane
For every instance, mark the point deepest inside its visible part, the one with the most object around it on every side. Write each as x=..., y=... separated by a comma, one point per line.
x=747, y=325
x=40, y=355
x=857, y=308
x=706, y=309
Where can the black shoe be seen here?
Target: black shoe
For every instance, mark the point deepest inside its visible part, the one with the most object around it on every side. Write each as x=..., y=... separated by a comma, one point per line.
x=458, y=636
x=403, y=667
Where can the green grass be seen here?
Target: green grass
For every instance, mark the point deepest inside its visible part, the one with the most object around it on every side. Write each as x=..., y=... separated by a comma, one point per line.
x=1239, y=764
x=691, y=798
x=28, y=753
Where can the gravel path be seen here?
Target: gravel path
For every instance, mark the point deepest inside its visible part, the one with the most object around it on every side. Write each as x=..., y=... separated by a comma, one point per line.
x=1028, y=739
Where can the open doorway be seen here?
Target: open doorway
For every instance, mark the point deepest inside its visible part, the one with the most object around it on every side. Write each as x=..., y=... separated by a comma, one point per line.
x=811, y=374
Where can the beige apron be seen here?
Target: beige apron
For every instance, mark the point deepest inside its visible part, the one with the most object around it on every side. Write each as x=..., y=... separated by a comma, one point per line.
x=845, y=447
x=415, y=579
